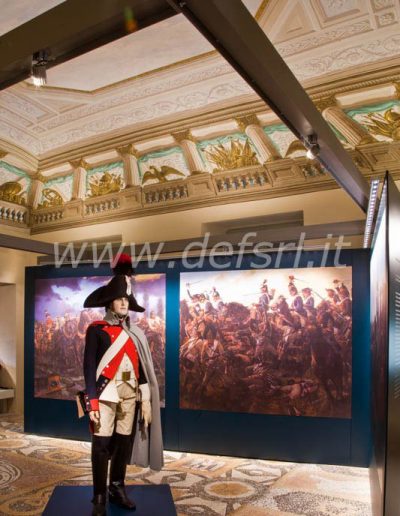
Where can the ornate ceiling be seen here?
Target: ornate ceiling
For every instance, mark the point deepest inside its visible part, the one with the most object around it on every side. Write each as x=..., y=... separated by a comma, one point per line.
x=14, y=13
x=168, y=72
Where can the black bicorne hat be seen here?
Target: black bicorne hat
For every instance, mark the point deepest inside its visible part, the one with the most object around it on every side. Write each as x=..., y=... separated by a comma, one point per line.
x=118, y=286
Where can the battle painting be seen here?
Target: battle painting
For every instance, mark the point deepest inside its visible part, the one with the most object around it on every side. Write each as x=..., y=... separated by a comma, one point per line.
x=61, y=323
x=270, y=342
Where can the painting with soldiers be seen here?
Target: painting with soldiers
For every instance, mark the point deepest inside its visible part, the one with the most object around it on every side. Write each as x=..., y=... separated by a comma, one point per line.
x=273, y=341
x=60, y=328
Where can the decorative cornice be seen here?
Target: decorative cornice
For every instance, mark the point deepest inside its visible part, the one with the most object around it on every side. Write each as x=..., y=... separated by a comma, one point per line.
x=344, y=59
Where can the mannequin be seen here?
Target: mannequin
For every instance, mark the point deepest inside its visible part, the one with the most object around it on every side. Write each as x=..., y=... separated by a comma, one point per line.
x=121, y=392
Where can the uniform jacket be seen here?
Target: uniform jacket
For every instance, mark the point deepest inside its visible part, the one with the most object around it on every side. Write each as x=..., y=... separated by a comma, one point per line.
x=100, y=335
x=147, y=443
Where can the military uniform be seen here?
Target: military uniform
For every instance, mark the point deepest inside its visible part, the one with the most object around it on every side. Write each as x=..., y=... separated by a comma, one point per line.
x=118, y=372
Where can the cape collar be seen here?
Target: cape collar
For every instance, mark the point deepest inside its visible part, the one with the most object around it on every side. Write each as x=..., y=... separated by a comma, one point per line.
x=113, y=319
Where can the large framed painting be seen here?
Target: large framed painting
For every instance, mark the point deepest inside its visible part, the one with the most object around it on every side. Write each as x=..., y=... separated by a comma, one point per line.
x=61, y=323
x=276, y=341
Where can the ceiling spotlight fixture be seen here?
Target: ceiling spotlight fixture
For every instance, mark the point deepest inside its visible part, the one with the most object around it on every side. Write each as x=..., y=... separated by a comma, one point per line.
x=311, y=144
x=39, y=63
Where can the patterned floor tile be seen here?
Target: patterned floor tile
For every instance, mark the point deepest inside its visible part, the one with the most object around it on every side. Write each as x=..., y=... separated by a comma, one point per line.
x=202, y=485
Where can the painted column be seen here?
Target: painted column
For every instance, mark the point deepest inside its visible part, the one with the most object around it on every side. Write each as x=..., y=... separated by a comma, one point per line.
x=190, y=151
x=265, y=148
x=79, y=180
x=35, y=190
x=354, y=133
x=129, y=156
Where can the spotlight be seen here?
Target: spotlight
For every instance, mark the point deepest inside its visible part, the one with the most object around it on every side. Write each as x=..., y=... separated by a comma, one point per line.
x=39, y=63
x=311, y=143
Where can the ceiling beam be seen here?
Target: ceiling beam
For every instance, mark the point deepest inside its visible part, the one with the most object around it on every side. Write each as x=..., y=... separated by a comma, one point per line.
x=29, y=245
x=233, y=31
x=71, y=29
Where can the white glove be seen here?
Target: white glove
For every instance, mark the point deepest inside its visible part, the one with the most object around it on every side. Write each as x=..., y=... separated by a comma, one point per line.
x=146, y=405
x=146, y=412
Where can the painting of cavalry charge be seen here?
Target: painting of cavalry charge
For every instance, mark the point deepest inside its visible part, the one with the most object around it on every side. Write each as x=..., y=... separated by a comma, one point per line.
x=61, y=323
x=267, y=342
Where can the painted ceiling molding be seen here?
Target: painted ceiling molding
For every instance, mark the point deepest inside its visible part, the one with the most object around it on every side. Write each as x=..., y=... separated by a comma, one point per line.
x=321, y=40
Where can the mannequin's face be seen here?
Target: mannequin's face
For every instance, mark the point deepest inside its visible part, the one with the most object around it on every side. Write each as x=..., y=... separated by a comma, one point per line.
x=120, y=305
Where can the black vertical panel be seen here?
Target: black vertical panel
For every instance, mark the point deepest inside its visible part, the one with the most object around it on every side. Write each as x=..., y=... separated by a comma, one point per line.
x=392, y=500
x=385, y=341
x=379, y=340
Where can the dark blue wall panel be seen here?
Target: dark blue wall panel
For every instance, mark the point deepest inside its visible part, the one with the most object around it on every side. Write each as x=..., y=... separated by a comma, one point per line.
x=303, y=439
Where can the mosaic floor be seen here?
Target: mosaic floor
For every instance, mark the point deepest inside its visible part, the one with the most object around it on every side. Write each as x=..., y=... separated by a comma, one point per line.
x=202, y=485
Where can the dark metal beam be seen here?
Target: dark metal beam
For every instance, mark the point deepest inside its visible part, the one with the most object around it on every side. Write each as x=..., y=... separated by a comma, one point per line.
x=71, y=29
x=230, y=27
x=28, y=245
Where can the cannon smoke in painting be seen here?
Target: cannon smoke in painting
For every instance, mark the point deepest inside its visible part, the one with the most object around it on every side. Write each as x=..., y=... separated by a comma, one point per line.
x=267, y=342
x=61, y=323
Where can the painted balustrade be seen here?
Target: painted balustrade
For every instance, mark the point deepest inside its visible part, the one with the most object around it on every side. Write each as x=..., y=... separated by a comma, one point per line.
x=13, y=213
x=247, y=178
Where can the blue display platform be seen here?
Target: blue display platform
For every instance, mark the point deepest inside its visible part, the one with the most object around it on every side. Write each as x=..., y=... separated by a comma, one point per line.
x=150, y=501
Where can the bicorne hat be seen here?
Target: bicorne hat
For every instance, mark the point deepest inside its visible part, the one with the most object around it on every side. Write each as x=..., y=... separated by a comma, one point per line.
x=118, y=286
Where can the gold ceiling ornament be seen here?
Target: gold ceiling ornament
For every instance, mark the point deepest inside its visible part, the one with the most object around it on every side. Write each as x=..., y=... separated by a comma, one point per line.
x=11, y=191
x=161, y=174
x=128, y=149
x=238, y=156
x=246, y=120
x=294, y=146
x=387, y=124
x=107, y=183
x=79, y=163
x=325, y=102
x=50, y=198
x=183, y=135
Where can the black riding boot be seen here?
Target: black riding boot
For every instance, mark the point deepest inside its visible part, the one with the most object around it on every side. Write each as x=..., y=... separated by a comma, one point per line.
x=100, y=456
x=119, y=461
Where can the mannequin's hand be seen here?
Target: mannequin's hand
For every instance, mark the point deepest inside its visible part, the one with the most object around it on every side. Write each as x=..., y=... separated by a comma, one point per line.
x=94, y=416
x=146, y=412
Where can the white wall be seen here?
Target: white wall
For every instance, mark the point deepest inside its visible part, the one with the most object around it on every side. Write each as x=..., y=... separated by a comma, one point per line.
x=12, y=272
x=8, y=348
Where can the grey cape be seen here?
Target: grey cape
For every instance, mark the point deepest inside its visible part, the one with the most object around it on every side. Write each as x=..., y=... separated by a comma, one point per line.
x=147, y=449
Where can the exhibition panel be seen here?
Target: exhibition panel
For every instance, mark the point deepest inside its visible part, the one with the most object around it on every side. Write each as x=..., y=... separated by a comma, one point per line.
x=260, y=355
x=385, y=354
